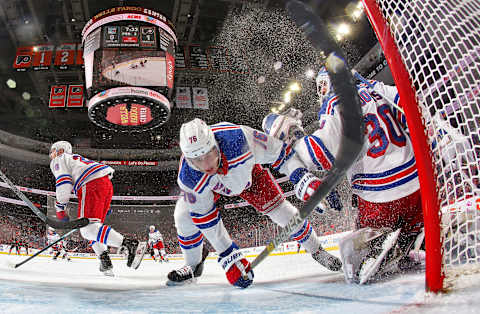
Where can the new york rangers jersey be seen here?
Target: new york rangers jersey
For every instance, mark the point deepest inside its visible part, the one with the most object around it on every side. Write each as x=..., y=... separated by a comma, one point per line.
x=154, y=237
x=73, y=171
x=240, y=147
x=385, y=169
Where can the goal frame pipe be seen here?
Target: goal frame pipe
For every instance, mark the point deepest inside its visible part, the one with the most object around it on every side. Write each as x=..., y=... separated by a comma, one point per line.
x=434, y=275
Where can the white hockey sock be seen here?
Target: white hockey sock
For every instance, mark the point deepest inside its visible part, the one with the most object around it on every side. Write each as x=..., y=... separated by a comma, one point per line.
x=102, y=233
x=99, y=248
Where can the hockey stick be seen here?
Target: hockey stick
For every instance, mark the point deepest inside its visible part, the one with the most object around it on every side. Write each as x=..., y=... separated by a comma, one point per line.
x=349, y=107
x=57, y=224
x=45, y=248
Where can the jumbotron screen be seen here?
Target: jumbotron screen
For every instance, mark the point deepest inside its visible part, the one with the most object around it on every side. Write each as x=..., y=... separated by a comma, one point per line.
x=129, y=55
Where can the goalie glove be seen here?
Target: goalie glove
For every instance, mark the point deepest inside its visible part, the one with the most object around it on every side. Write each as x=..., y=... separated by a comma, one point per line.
x=237, y=269
x=61, y=211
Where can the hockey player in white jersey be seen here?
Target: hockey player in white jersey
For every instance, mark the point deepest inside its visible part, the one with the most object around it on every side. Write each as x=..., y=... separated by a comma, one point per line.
x=58, y=248
x=155, y=243
x=226, y=159
x=90, y=181
x=384, y=178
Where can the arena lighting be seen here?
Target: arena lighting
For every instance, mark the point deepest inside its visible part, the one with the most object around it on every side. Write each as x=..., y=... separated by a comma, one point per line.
x=354, y=10
x=281, y=107
x=343, y=29
x=26, y=96
x=11, y=83
x=294, y=87
x=35, y=49
x=274, y=110
x=287, y=97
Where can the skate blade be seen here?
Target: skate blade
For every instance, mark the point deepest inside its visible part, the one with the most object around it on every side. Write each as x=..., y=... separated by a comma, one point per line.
x=181, y=283
x=141, y=250
x=108, y=273
x=372, y=267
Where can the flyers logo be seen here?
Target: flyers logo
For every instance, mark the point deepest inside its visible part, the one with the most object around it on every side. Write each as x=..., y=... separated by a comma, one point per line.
x=23, y=60
x=58, y=90
x=76, y=89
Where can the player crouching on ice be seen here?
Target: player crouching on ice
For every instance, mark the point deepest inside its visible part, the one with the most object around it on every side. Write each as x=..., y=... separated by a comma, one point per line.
x=90, y=181
x=226, y=159
x=384, y=178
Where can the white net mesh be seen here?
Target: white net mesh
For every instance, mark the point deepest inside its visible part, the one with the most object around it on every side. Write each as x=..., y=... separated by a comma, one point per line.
x=439, y=43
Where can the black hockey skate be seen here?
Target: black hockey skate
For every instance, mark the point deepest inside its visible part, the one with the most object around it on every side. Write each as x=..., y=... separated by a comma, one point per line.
x=136, y=251
x=327, y=260
x=106, y=264
x=187, y=274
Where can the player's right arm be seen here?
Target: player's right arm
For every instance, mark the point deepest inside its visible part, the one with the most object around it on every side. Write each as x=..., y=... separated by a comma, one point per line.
x=63, y=184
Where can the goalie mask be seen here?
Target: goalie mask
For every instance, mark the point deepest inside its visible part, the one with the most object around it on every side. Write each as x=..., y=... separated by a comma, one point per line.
x=199, y=146
x=324, y=85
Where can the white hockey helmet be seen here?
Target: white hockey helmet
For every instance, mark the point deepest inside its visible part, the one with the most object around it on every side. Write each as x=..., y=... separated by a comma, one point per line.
x=324, y=85
x=66, y=146
x=152, y=228
x=51, y=230
x=196, y=138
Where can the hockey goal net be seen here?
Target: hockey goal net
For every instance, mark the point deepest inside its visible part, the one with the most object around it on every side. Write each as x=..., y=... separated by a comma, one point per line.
x=433, y=51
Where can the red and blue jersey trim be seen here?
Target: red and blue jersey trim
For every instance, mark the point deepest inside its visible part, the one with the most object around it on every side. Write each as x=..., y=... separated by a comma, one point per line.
x=103, y=233
x=285, y=154
x=87, y=173
x=240, y=160
x=328, y=106
x=204, y=221
x=319, y=153
x=303, y=234
x=63, y=179
x=190, y=242
x=386, y=180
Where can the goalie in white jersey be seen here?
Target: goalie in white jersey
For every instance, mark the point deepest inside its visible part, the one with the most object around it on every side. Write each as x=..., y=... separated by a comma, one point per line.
x=226, y=159
x=155, y=243
x=384, y=178
x=90, y=181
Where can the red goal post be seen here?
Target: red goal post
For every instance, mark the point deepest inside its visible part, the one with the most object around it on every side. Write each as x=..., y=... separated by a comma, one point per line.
x=433, y=50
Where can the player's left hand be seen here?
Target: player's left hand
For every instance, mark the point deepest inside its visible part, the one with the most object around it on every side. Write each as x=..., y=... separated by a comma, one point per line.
x=61, y=211
x=237, y=268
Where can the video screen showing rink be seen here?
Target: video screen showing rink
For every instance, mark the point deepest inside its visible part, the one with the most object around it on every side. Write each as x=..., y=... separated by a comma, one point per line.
x=139, y=70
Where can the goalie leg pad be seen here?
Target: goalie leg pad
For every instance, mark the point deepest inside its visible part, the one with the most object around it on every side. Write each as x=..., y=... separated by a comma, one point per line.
x=373, y=265
x=238, y=270
x=358, y=247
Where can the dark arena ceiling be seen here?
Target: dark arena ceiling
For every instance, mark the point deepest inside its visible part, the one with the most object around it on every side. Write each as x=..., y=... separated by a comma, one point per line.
x=257, y=32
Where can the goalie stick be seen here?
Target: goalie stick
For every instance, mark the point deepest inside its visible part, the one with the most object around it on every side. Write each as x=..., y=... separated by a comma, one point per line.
x=45, y=248
x=349, y=107
x=57, y=224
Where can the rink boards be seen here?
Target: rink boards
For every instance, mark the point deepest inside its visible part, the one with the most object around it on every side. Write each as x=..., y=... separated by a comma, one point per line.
x=329, y=242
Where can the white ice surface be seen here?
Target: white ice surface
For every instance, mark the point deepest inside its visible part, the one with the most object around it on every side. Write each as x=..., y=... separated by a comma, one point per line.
x=282, y=284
